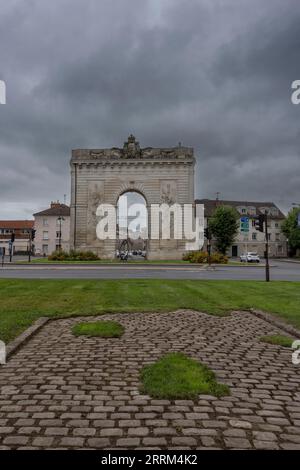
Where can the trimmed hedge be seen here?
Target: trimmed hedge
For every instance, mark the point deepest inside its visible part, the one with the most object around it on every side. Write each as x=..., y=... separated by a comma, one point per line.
x=73, y=256
x=202, y=257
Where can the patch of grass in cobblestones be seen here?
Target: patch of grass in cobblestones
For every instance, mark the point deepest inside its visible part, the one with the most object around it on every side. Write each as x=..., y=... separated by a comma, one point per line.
x=280, y=340
x=105, y=329
x=177, y=376
x=22, y=301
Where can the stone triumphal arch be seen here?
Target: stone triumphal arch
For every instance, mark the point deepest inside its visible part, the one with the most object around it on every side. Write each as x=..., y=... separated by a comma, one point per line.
x=101, y=176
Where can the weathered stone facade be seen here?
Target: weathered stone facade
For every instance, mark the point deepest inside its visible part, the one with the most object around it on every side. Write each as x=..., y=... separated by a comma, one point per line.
x=160, y=175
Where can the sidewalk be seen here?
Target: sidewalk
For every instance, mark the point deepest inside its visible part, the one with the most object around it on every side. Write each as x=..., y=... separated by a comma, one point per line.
x=288, y=260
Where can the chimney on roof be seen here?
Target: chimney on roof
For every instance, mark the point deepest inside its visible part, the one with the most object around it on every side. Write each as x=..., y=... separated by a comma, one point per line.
x=55, y=205
x=217, y=198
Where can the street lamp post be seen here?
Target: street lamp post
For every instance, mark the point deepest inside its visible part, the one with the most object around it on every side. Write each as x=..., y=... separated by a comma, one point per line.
x=60, y=219
x=11, y=246
x=267, y=247
x=31, y=237
x=261, y=224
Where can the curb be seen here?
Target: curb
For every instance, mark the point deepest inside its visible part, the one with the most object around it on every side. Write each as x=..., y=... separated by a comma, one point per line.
x=247, y=265
x=278, y=323
x=288, y=261
x=53, y=266
x=20, y=340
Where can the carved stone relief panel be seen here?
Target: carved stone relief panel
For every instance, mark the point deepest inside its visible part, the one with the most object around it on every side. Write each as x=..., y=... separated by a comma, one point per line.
x=95, y=197
x=168, y=191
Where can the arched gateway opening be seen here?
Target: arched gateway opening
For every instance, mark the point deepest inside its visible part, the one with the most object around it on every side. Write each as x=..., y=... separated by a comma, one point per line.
x=132, y=226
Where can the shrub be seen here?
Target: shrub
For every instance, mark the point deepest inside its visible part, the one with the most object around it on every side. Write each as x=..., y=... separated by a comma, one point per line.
x=199, y=257
x=219, y=258
x=83, y=255
x=188, y=255
x=58, y=256
x=202, y=257
x=73, y=256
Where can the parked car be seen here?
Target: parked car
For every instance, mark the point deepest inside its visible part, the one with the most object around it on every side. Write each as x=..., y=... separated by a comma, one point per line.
x=124, y=255
x=250, y=257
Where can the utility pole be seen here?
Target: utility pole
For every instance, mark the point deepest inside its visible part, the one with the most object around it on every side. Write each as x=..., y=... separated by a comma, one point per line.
x=30, y=239
x=29, y=247
x=207, y=234
x=209, y=252
x=60, y=219
x=267, y=248
x=259, y=225
x=11, y=246
x=2, y=252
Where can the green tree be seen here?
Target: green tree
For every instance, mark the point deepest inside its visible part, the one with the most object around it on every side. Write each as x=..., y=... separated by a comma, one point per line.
x=291, y=230
x=224, y=226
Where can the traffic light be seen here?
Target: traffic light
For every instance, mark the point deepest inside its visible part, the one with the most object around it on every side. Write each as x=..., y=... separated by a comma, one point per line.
x=12, y=238
x=207, y=233
x=33, y=234
x=259, y=223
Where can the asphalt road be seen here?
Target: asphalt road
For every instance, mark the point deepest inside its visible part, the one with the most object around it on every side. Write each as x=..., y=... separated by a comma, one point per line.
x=279, y=271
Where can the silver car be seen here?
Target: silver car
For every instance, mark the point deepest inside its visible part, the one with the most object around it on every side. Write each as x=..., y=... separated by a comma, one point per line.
x=250, y=257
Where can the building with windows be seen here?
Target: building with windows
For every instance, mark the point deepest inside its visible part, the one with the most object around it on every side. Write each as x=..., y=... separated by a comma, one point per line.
x=21, y=230
x=52, y=229
x=248, y=238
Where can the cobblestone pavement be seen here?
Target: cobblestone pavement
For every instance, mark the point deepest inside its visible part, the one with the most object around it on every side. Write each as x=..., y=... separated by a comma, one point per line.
x=59, y=391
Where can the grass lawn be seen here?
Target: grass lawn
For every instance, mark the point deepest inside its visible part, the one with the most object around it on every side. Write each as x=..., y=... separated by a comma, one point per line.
x=279, y=340
x=133, y=261
x=23, y=301
x=177, y=376
x=105, y=329
x=105, y=261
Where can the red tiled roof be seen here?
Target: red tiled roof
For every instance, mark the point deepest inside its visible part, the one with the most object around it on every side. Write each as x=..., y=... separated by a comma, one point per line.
x=56, y=209
x=16, y=224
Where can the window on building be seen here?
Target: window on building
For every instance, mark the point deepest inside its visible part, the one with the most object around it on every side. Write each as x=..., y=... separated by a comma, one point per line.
x=277, y=237
x=45, y=249
x=276, y=224
x=269, y=236
x=45, y=235
x=251, y=210
x=45, y=222
x=58, y=235
x=254, y=236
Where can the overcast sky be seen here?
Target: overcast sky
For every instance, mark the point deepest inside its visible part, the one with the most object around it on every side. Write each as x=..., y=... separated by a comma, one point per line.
x=213, y=74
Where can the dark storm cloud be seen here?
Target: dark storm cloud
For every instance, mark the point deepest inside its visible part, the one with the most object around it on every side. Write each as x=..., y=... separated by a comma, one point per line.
x=215, y=75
